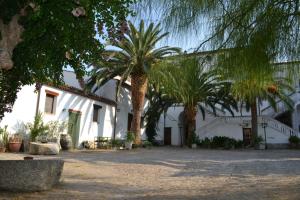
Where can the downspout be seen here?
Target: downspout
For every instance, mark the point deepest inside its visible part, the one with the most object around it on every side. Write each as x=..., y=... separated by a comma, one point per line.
x=38, y=87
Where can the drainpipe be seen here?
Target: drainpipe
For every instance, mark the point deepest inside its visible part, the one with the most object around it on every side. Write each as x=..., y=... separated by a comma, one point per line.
x=38, y=88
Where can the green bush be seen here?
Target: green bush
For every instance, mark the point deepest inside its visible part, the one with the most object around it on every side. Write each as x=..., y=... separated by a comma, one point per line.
x=147, y=143
x=37, y=128
x=258, y=140
x=130, y=136
x=205, y=143
x=239, y=144
x=4, y=136
x=117, y=143
x=293, y=139
x=220, y=142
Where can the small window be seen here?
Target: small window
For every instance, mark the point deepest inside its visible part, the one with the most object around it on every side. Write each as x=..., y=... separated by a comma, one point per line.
x=49, y=104
x=96, y=113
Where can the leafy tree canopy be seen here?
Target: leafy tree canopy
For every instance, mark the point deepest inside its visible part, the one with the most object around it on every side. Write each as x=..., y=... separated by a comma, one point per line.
x=38, y=38
x=272, y=25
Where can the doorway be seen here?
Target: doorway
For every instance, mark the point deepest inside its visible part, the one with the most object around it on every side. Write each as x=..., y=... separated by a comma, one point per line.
x=74, y=126
x=129, y=121
x=167, y=136
x=247, y=136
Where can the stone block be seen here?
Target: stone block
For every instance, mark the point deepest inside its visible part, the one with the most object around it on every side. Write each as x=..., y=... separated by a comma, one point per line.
x=43, y=148
x=29, y=175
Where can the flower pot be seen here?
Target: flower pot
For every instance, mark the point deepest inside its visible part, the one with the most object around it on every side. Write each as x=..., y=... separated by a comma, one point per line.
x=2, y=149
x=128, y=145
x=65, y=142
x=14, y=146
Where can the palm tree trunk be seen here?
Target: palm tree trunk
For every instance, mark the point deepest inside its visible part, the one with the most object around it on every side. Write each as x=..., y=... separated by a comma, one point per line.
x=139, y=85
x=190, y=114
x=254, y=122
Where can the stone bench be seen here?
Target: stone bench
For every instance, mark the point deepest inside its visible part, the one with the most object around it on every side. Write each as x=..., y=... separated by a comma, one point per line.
x=29, y=175
x=36, y=148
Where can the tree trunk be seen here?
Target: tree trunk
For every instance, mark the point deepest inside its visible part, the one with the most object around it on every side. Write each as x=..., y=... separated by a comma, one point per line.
x=10, y=38
x=190, y=114
x=254, y=122
x=139, y=85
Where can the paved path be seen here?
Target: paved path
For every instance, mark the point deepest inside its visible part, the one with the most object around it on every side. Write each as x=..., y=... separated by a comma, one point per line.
x=174, y=173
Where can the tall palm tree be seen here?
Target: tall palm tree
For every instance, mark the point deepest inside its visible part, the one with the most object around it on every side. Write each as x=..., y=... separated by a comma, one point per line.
x=195, y=87
x=135, y=56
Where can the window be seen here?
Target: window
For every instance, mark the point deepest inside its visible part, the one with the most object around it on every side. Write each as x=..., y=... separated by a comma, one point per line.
x=96, y=113
x=49, y=104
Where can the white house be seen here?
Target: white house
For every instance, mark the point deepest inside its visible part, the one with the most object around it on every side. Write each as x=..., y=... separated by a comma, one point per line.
x=87, y=115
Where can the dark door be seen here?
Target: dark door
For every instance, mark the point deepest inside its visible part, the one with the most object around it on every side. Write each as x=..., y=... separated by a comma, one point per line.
x=247, y=135
x=129, y=120
x=74, y=126
x=167, y=136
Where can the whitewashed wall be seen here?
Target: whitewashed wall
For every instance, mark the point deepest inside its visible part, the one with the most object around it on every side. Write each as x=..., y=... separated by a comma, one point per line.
x=88, y=128
x=23, y=109
x=212, y=126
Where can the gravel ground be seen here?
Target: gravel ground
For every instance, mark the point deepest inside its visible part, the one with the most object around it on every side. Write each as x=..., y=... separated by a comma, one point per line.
x=173, y=173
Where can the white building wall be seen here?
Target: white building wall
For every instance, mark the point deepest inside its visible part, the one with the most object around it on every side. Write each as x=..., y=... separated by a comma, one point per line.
x=23, y=110
x=170, y=120
x=88, y=128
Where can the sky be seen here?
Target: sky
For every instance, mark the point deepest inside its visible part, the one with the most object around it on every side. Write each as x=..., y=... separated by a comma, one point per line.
x=187, y=41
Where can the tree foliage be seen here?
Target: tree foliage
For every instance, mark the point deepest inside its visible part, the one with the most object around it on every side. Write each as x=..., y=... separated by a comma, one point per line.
x=54, y=34
x=271, y=25
x=254, y=79
x=189, y=81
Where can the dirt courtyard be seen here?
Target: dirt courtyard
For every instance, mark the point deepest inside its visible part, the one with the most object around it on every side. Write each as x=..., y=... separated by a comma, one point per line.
x=173, y=173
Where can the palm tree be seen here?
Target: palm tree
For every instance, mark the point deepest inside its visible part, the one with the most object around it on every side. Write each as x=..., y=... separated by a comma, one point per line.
x=135, y=56
x=254, y=80
x=195, y=87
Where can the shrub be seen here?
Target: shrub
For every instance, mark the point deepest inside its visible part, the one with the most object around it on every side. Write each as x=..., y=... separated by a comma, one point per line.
x=239, y=144
x=4, y=136
x=258, y=140
x=130, y=136
x=229, y=143
x=206, y=143
x=293, y=139
x=37, y=127
x=220, y=142
x=117, y=143
x=55, y=129
x=147, y=143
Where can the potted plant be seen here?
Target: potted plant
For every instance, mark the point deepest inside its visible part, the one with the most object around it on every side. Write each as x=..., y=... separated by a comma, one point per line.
x=14, y=143
x=37, y=128
x=194, y=141
x=129, y=140
x=259, y=143
x=3, y=139
x=294, y=141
